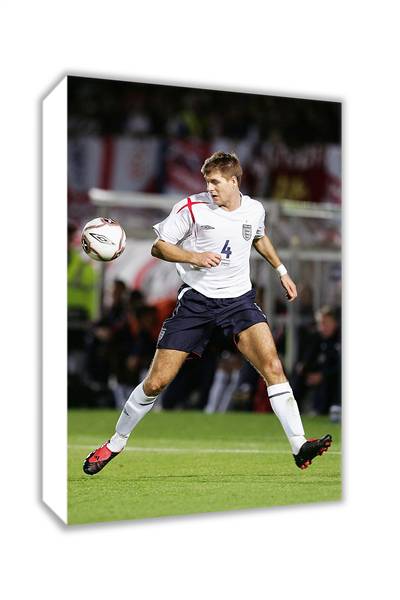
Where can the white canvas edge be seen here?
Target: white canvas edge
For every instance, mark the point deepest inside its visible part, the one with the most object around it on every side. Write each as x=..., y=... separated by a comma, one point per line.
x=54, y=315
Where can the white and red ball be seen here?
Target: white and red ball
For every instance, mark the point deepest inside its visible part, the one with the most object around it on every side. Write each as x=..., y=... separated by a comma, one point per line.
x=103, y=239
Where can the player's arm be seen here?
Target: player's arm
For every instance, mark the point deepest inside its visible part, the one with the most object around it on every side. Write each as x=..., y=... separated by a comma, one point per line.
x=264, y=246
x=173, y=253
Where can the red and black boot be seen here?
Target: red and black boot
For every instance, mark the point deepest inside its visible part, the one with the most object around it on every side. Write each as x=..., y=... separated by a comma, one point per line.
x=310, y=449
x=98, y=459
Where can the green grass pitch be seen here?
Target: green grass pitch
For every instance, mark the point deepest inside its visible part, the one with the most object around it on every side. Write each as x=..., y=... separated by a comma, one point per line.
x=180, y=463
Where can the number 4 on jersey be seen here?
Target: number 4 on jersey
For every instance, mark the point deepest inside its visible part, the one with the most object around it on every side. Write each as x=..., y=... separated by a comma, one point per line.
x=226, y=249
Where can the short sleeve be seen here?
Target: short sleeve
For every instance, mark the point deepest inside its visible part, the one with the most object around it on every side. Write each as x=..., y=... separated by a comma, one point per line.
x=260, y=232
x=176, y=227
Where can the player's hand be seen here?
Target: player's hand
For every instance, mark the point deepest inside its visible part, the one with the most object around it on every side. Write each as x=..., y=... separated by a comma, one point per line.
x=206, y=259
x=290, y=287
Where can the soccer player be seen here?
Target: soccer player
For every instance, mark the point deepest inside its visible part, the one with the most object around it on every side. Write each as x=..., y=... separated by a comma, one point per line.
x=209, y=236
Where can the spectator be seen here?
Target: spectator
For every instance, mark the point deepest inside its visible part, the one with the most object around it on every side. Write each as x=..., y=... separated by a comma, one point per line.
x=104, y=338
x=146, y=338
x=319, y=375
x=135, y=301
x=117, y=310
x=225, y=382
x=133, y=347
x=82, y=281
x=250, y=393
x=82, y=309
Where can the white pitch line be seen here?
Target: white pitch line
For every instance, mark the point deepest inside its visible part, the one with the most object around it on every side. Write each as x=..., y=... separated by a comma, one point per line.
x=197, y=450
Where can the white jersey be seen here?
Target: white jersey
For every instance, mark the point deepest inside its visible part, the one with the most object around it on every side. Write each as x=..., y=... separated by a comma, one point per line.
x=197, y=224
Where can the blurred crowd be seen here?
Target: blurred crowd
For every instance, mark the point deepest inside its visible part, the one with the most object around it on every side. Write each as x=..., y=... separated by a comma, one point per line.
x=110, y=355
x=154, y=138
x=109, y=107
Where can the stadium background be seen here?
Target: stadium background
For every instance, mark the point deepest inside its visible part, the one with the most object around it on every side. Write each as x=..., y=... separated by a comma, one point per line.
x=133, y=150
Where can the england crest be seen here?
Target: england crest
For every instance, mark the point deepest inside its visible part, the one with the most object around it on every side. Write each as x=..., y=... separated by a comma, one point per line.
x=246, y=232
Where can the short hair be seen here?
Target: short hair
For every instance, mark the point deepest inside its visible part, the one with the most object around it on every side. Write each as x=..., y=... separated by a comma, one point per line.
x=328, y=311
x=226, y=162
x=119, y=283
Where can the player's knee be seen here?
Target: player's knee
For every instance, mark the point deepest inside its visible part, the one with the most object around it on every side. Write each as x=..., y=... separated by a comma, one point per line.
x=154, y=385
x=274, y=368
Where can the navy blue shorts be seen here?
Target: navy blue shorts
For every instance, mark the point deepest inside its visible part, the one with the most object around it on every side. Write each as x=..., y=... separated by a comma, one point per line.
x=195, y=317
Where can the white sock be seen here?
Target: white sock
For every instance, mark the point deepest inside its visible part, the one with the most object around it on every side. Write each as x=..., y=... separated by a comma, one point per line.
x=136, y=407
x=285, y=407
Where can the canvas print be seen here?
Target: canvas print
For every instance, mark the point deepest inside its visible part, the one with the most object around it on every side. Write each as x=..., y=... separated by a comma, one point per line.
x=204, y=300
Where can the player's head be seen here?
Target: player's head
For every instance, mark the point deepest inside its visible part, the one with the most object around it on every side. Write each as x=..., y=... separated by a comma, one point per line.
x=222, y=172
x=327, y=321
x=136, y=299
x=118, y=291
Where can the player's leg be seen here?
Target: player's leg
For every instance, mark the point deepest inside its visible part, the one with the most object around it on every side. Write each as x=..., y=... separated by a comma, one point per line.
x=164, y=367
x=187, y=330
x=257, y=345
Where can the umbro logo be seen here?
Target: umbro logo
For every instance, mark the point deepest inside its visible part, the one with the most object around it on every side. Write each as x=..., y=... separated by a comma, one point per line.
x=102, y=238
x=206, y=227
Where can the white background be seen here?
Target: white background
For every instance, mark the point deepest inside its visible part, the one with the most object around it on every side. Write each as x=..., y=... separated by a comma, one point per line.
x=303, y=48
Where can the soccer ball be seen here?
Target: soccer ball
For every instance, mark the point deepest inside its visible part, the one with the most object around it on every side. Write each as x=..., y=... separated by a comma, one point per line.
x=103, y=239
